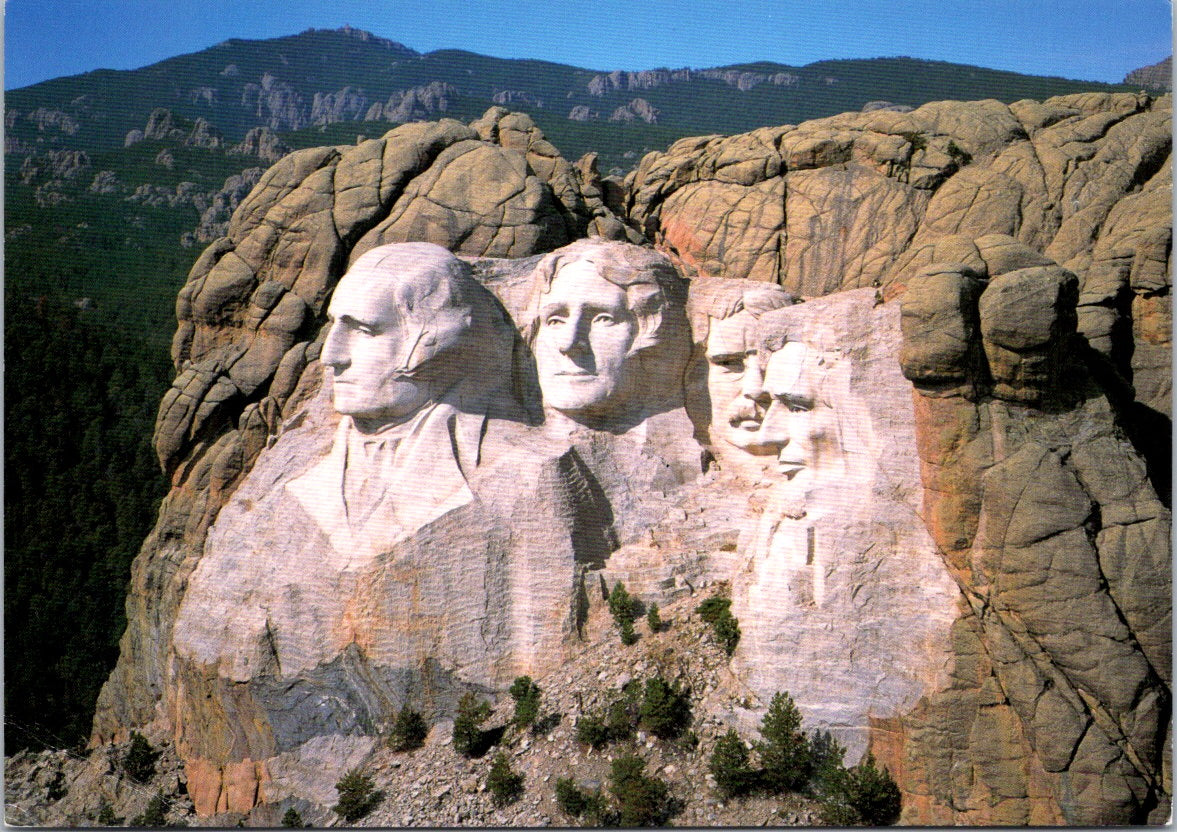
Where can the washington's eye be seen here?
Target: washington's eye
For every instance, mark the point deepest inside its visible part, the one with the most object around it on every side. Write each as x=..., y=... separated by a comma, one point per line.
x=605, y=319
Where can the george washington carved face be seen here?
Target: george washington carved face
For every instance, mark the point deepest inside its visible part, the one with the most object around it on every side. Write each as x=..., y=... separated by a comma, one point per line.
x=407, y=322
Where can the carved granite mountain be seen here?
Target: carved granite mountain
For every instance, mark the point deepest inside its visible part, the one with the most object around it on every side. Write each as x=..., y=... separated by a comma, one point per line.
x=986, y=336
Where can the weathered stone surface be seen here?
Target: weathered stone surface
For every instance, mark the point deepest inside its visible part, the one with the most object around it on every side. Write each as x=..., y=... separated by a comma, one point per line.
x=1082, y=180
x=998, y=632
x=248, y=316
x=1033, y=511
x=1027, y=320
x=940, y=326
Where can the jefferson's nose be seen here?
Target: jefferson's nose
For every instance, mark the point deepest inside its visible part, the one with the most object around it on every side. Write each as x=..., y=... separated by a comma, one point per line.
x=571, y=336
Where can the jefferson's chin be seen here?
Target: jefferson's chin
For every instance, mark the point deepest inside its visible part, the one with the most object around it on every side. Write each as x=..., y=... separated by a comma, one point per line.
x=573, y=392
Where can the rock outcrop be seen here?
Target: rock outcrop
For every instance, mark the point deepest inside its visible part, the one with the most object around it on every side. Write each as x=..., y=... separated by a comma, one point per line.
x=246, y=350
x=957, y=529
x=1056, y=549
x=262, y=143
x=416, y=104
x=1156, y=77
x=162, y=125
x=1085, y=180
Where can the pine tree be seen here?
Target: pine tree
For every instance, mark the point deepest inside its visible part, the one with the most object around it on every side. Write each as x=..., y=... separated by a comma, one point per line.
x=469, y=738
x=526, y=694
x=357, y=795
x=504, y=784
x=730, y=767
x=784, y=752
x=408, y=730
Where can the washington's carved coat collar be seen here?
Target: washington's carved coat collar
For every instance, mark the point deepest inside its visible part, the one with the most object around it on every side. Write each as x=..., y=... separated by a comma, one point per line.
x=374, y=490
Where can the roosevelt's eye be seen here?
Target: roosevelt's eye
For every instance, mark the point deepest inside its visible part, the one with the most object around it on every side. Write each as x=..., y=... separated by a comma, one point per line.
x=730, y=363
x=795, y=404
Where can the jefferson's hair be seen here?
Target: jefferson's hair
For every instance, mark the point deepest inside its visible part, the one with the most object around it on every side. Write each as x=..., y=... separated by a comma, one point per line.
x=650, y=282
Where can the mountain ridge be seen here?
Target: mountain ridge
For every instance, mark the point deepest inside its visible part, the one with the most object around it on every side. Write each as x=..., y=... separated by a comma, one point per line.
x=240, y=84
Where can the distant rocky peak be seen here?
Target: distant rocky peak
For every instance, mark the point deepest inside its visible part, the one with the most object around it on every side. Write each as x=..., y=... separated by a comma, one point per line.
x=1157, y=77
x=367, y=37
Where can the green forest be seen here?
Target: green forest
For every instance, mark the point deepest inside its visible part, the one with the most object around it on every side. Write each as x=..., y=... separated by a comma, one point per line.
x=89, y=287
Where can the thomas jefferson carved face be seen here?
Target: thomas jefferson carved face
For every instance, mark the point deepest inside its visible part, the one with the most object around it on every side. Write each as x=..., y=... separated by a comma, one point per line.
x=583, y=342
x=399, y=325
x=608, y=330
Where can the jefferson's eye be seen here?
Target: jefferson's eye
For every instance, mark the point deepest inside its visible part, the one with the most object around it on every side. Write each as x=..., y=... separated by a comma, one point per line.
x=554, y=320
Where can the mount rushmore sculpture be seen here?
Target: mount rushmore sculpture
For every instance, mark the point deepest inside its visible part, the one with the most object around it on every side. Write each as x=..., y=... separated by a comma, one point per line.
x=402, y=471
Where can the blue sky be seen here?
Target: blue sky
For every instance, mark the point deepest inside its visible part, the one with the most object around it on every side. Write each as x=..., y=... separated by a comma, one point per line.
x=1093, y=40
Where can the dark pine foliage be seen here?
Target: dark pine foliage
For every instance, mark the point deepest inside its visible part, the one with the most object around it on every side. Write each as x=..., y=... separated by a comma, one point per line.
x=357, y=795
x=469, y=738
x=526, y=694
x=666, y=709
x=640, y=800
x=139, y=761
x=81, y=488
x=505, y=784
x=409, y=730
x=784, y=751
x=730, y=766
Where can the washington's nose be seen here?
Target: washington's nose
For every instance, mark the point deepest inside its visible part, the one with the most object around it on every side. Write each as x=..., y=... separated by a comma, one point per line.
x=334, y=353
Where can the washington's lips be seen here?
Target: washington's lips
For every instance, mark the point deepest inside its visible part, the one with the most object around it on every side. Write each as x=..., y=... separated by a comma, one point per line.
x=574, y=374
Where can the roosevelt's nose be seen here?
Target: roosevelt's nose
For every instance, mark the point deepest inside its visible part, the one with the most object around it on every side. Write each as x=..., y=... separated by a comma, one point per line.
x=752, y=385
x=774, y=430
x=335, y=353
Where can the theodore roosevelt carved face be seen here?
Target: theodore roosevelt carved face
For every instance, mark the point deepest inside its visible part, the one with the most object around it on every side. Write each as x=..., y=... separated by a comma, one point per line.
x=407, y=322
x=725, y=314
x=602, y=333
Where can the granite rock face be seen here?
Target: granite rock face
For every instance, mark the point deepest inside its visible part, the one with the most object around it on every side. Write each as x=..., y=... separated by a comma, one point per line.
x=1033, y=520
x=951, y=542
x=246, y=348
